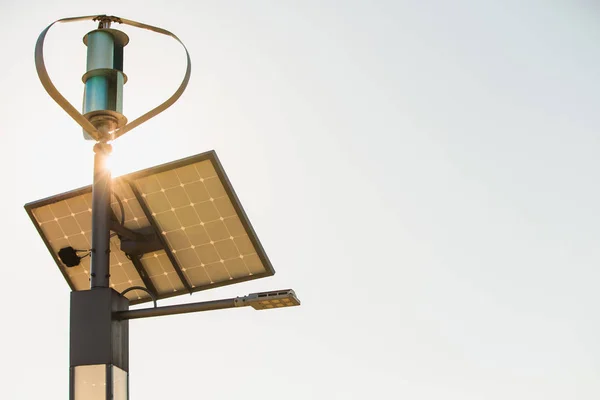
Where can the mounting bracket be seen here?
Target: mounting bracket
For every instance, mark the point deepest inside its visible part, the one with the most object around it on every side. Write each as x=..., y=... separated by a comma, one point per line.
x=136, y=242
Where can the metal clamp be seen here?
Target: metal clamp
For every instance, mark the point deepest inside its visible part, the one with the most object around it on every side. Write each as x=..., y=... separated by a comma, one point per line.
x=72, y=111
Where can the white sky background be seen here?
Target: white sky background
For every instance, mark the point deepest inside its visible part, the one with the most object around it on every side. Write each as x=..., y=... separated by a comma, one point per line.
x=423, y=174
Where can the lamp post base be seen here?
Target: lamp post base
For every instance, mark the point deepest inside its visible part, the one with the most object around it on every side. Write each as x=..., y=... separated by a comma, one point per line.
x=99, y=346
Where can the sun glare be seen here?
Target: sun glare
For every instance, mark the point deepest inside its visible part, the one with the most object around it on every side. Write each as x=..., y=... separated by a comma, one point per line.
x=109, y=162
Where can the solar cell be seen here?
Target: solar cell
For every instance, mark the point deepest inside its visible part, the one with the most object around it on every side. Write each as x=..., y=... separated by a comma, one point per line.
x=203, y=235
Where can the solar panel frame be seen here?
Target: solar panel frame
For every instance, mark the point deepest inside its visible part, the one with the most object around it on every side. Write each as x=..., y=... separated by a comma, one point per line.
x=130, y=179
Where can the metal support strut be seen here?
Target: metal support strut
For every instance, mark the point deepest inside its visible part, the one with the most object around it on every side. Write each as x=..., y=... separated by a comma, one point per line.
x=101, y=213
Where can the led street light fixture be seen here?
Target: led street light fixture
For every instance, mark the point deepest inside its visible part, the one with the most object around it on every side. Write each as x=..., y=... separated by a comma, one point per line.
x=270, y=300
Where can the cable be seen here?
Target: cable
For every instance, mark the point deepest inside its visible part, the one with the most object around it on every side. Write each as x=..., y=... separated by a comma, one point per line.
x=122, y=209
x=152, y=296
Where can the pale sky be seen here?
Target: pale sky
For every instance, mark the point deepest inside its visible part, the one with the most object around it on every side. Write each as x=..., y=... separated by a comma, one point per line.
x=423, y=174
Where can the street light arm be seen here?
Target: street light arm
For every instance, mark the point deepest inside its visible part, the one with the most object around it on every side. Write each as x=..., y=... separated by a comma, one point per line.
x=179, y=309
x=259, y=301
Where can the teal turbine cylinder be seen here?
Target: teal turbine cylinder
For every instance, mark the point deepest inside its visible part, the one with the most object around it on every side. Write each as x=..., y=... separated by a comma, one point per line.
x=104, y=79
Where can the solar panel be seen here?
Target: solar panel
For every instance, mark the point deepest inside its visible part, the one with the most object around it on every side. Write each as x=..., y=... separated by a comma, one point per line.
x=201, y=235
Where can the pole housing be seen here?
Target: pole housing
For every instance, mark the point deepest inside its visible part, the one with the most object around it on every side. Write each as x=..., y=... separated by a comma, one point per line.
x=98, y=344
x=104, y=79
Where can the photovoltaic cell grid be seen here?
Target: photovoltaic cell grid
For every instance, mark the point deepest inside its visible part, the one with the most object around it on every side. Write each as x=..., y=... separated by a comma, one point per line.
x=191, y=205
x=200, y=224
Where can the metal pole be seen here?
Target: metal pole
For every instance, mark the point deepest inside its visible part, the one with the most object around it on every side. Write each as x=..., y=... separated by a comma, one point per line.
x=179, y=309
x=101, y=195
x=96, y=340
